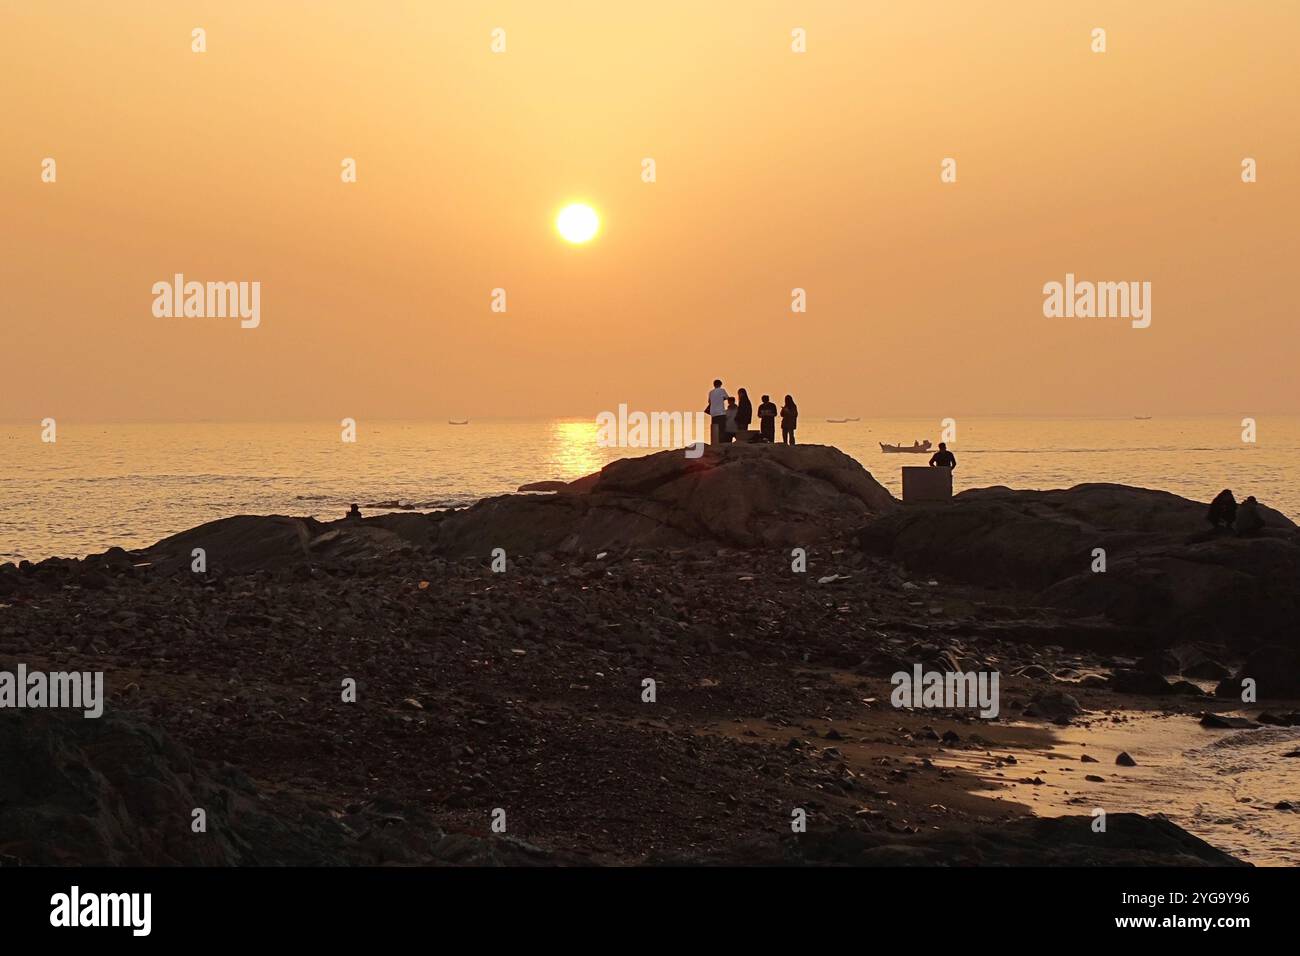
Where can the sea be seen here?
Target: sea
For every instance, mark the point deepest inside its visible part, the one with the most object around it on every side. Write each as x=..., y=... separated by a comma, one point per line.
x=131, y=484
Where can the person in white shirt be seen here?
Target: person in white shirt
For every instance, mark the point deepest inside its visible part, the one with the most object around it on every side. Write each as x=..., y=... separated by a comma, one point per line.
x=717, y=409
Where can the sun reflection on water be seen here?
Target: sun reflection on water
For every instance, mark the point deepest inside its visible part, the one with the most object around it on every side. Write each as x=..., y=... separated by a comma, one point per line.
x=573, y=449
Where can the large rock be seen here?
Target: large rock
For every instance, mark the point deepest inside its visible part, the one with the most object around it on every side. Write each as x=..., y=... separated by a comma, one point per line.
x=246, y=543
x=237, y=544
x=744, y=495
x=1238, y=590
x=1275, y=669
x=748, y=495
x=1166, y=570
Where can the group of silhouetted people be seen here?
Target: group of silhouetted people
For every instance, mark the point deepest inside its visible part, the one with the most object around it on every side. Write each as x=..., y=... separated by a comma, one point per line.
x=731, y=417
x=1243, y=518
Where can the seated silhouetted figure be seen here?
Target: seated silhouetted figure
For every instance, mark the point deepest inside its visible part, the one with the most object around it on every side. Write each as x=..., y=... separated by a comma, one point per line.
x=943, y=458
x=354, y=513
x=1249, y=519
x=1223, y=509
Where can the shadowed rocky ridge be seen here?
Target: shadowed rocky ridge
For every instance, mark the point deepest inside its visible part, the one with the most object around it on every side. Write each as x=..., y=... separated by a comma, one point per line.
x=741, y=495
x=1166, y=571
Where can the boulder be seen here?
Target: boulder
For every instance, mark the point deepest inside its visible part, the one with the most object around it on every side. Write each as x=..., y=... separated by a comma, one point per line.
x=1140, y=682
x=745, y=495
x=1161, y=662
x=1167, y=573
x=1052, y=705
x=1275, y=668
x=551, y=485
x=1224, y=722
x=246, y=543
x=237, y=545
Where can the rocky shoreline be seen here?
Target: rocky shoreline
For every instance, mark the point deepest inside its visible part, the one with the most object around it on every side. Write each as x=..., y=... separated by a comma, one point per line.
x=500, y=654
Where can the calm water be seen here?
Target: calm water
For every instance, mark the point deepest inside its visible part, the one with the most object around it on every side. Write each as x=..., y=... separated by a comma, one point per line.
x=131, y=484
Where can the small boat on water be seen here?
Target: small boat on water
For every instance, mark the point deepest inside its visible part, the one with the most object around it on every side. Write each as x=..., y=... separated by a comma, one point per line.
x=837, y=421
x=450, y=422
x=1142, y=418
x=899, y=449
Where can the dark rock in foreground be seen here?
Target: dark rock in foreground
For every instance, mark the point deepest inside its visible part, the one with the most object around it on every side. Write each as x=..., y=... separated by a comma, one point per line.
x=116, y=792
x=1275, y=669
x=1129, y=840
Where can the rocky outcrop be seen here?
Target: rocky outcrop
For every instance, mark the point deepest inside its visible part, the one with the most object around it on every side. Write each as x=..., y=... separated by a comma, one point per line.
x=237, y=544
x=741, y=495
x=1166, y=571
x=746, y=495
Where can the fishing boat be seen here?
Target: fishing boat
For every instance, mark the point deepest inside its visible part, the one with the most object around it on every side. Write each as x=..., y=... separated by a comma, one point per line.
x=899, y=449
x=451, y=422
x=837, y=421
x=1142, y=418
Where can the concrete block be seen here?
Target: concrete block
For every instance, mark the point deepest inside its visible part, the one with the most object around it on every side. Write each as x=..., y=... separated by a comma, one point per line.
x=926, y=484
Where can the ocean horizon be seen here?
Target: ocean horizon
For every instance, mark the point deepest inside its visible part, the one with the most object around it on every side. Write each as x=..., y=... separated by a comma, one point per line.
x=129, y=484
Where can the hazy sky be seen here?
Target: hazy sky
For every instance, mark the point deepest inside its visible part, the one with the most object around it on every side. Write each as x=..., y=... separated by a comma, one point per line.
x=775, y=170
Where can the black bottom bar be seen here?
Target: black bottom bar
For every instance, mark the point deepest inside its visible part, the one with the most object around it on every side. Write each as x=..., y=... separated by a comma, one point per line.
x=335, y=905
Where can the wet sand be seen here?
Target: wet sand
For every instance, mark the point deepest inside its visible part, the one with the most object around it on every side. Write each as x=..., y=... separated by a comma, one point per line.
x=1221, y=785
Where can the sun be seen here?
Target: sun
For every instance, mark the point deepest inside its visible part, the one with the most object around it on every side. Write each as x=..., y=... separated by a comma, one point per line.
x=577, y=223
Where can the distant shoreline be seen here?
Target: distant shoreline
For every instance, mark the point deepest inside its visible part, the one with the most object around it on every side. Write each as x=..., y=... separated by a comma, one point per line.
x=435, y=419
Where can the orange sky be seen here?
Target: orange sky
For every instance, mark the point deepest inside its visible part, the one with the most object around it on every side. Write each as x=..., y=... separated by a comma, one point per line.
x=775, y=170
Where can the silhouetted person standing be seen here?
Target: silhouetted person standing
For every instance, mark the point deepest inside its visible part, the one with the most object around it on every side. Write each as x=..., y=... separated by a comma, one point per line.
x=1223, y=509
x=729, y=429
x=942, y=458
x=767, y=419
x=717, y=409
x=789, y=420
x=744, y=415
x=1249, y=519
x=354, y=512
